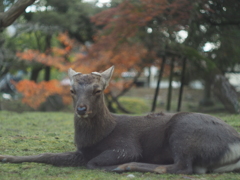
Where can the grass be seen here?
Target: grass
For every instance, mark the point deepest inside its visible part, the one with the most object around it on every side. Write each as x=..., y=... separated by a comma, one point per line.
x=36, y=133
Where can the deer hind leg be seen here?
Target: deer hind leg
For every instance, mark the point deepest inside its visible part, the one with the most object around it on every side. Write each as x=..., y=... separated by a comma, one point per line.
x=56, y=159
x=154, y=168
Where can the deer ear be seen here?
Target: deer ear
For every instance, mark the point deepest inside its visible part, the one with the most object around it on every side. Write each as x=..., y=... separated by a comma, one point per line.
x=71, y=73
x=106, y=75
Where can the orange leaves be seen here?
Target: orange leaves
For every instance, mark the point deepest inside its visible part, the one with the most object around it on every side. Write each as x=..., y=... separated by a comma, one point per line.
x=59, y=58
x=34, y=94
x=59, y=51
x=29, y=55
x=124, y=59
x=35, y=56
x=129, y=56
x=66, y=41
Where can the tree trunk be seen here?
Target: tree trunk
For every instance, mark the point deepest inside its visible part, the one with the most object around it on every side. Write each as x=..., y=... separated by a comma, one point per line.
x=169, y=97
x=149, y=77
x=2, y=6
x=109, y=103
x=9, y=16
x=35, y=73
x=182, y=85
x=47, y=74
x=207, y=100
x=111, y=99
x=226, y=93
x=158, y=84
x=120, y=107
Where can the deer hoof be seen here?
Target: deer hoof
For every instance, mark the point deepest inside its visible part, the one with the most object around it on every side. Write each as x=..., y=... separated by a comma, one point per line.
x=124, y=167
x=5, y=159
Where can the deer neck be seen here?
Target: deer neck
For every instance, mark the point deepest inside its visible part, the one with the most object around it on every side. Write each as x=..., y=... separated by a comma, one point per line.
x=89, y=131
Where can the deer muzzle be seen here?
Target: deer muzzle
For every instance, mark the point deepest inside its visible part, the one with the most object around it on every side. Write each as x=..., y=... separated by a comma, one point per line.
x=82, y=110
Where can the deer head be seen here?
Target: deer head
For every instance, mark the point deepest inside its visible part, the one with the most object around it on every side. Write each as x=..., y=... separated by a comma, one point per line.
x=87, y=91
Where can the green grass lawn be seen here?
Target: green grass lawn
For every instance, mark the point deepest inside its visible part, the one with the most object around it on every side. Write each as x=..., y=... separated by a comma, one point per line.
x=36, y=133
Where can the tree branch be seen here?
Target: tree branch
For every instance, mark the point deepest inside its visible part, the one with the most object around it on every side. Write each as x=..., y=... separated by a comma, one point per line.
x=227, y=23
x=234, y=22
x=9, y=16
x=126, y=89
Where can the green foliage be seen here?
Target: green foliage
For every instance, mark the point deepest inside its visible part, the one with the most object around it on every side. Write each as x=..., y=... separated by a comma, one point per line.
x=134, y=105
x=36, y=133
x=72, y=16
x=198, y=58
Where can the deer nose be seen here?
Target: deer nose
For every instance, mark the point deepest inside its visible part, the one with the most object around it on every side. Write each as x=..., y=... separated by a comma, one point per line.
x=81, y=110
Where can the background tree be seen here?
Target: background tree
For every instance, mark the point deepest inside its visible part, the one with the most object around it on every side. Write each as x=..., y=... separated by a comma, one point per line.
x=13, y=12
x=39, y=41
x=127, y=22
x=48, y=19
x=215, y=25
x=9, y=12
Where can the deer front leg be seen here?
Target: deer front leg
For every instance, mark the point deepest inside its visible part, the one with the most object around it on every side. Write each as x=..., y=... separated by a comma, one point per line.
x=56, y=159
x=142, y=167
x=110, y=159
x=176, y=168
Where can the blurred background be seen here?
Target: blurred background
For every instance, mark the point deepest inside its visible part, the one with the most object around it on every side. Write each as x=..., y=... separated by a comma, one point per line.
x=169, y=55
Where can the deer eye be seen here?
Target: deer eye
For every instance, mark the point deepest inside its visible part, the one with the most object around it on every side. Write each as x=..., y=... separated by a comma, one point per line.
x=98, y=91
x=72, y=91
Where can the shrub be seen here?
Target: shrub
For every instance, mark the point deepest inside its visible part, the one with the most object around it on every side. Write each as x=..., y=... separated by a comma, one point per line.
x=35, y=94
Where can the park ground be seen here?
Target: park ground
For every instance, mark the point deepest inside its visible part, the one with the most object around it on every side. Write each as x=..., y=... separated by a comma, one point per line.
x=31, y=133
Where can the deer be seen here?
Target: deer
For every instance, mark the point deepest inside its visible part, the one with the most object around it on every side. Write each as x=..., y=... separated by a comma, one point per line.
x=176, y=143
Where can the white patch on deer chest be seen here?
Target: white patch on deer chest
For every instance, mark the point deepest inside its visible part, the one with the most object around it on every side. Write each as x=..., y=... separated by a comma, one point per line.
x=231, y=159
x=121, y=153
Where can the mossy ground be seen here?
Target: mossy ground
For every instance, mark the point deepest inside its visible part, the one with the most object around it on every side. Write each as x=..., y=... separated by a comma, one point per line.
x=33, y=133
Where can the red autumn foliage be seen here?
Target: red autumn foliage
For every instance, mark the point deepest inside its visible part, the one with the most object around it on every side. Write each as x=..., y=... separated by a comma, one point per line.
x=36, y=56
x=58, y=58
x=34, y=94
x=125, y=20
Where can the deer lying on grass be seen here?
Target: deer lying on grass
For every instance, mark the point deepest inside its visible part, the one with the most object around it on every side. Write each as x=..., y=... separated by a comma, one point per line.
x=181, y=143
